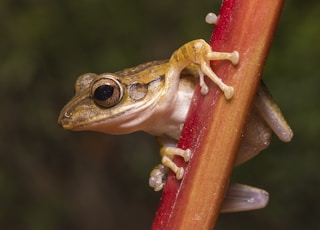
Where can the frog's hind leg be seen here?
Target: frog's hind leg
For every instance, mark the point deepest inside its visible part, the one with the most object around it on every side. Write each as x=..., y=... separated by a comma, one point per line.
x=241, y=197
x=264, y=118
x=255, y=138
x=271, y=113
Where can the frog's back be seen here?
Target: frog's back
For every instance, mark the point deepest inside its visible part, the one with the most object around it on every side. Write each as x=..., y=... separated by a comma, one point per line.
x=144, y=73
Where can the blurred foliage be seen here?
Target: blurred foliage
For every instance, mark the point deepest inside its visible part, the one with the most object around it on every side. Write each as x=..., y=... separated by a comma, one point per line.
x=54, y=179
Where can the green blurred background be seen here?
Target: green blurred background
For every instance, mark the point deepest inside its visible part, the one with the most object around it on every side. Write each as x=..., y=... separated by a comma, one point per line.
x=55, y=179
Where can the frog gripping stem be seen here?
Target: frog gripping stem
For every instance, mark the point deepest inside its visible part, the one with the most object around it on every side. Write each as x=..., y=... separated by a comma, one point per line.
x=196, y=202
x=206, y=70
x=199, y=52
x=158, y=174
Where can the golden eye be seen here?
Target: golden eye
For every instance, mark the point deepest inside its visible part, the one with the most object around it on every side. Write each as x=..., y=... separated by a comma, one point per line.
x=106, y=92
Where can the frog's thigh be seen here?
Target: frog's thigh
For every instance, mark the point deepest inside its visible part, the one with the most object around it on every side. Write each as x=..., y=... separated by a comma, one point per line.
x=256, y=137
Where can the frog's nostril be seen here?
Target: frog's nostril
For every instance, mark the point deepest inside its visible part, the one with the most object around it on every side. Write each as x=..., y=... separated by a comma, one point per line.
x=67, y=114
x=63, y=118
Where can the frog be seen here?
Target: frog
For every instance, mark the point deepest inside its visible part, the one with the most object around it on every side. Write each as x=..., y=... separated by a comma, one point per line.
x=155, y=98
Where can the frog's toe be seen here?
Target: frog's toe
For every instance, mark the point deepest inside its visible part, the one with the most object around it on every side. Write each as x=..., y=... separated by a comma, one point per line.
x=228, y=92
x=179, y=173
x=235, y=57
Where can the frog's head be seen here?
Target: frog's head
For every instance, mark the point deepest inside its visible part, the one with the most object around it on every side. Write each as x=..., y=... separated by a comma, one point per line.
x=111, y=103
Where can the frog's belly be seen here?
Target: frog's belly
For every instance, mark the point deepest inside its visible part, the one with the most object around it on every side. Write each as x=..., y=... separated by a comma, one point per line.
x=170, y=121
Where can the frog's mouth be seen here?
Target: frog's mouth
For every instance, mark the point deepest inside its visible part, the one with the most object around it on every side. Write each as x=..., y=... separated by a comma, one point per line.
x=124, y=123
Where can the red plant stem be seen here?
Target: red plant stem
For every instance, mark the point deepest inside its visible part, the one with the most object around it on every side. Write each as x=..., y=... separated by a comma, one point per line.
x=214, y=125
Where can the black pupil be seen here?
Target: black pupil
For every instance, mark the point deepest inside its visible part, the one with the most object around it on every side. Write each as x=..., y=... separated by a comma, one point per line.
x=103, y=92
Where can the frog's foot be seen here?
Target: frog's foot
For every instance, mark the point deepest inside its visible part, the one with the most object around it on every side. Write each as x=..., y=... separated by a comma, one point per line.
x=199, y=52
x=205, y=69
x=241, y=197
x=158, y=174
x=168, y=153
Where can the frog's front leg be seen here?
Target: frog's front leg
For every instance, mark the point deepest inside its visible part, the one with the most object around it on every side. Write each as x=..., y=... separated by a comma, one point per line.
x=199, y=52
x=168, y=151
x=159, y=173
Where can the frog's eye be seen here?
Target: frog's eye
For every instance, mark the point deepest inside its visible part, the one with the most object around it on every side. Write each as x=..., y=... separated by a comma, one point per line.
x=106, y=92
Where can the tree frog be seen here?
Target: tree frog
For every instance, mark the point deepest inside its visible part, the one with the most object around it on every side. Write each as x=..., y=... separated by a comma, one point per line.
x=155, y=97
